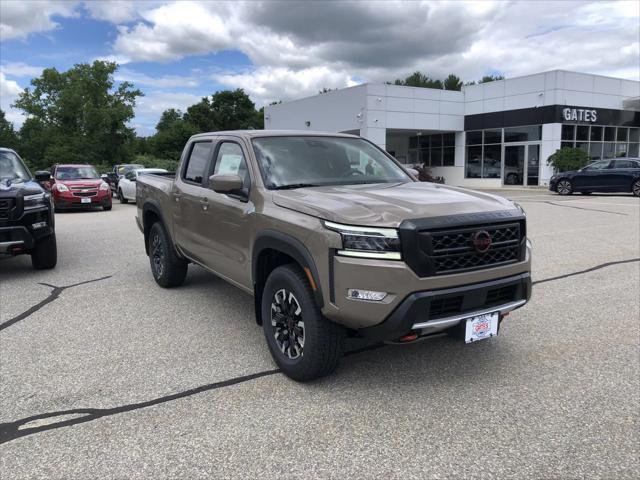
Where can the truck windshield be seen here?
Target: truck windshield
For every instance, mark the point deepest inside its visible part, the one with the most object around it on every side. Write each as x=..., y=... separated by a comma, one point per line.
x=292, y=162
x=12, y=169
x=76, y=173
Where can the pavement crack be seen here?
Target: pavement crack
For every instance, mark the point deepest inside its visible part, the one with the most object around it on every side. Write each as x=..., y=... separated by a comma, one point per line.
x=590, y=269
x=47, y=421
x=53, y=295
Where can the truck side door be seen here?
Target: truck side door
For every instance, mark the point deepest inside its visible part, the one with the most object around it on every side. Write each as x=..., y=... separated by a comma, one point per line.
x=188, y=193
x=227, y=218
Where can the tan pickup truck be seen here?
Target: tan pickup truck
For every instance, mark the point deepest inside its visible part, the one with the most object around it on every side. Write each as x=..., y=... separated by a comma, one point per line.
x=333, y=237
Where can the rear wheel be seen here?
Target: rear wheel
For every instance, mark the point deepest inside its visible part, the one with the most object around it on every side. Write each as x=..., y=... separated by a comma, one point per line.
x=121, y=197
x=564, y=187
x=635, y=188
x=167, y=268
x=45, y=254
x=303, y=343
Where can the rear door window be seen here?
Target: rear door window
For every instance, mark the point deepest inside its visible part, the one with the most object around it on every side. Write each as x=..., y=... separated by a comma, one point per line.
x=197, y=162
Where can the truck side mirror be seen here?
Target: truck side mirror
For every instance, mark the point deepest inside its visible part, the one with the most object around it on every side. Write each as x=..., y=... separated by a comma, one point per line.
x=413, y=172
x=43, y=176
x=225, y=183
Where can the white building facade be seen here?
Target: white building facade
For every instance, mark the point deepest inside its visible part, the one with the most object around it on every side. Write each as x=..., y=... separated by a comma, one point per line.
x=488, y=135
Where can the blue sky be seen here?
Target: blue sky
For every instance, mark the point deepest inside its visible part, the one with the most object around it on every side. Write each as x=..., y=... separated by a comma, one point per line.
x=177, y=52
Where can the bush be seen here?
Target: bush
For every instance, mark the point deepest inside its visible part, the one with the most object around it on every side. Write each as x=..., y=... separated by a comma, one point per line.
x=149, y=161
x=568, y=159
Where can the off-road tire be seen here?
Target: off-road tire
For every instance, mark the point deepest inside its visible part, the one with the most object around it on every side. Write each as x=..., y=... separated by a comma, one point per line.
x=44, y=255
x=323, y=340
x=167, y=268
x=121, y=197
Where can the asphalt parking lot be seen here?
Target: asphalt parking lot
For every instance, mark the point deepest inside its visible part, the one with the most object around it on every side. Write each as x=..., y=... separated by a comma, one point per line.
x=113, y=377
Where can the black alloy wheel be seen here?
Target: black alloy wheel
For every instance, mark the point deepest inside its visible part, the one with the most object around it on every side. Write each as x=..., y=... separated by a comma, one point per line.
x=635, y=188
x=287, y=323
x=564, y=187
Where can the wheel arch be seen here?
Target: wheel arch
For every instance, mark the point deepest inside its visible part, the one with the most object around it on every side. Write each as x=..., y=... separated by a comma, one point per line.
x=272, y=249
x=151, y=213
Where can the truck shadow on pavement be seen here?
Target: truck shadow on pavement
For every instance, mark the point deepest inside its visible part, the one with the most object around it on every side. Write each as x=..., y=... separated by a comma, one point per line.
x=53, y=420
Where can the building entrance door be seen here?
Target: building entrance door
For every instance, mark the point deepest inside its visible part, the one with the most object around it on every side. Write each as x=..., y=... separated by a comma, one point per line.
x=521, y=164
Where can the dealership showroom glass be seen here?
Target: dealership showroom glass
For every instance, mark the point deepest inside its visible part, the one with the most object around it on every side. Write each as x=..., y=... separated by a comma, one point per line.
x=489, y=135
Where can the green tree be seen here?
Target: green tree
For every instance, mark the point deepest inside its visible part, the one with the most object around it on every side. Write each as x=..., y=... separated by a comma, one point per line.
x=8, y=136
x=224, y=110
x=172, y=133
x=568, y=159
x=78, y=116
x=418, y=79
x=452, y=82
x=490, y=78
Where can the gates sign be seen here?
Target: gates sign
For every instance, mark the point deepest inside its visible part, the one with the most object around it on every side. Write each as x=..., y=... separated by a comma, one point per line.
x=579, y=115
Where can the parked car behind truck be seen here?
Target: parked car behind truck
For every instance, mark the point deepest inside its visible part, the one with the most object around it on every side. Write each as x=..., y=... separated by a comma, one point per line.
x=329, y=250
x=27, y=223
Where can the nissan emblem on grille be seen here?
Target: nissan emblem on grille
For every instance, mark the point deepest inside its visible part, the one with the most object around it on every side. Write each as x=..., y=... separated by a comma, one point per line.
x=481, y=241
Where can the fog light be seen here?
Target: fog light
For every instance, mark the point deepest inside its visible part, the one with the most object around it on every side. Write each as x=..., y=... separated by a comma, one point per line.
x=38, y=225
x=370, y=295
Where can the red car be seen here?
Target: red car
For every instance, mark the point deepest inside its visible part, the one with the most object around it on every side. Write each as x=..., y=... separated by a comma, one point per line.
x=79, y=186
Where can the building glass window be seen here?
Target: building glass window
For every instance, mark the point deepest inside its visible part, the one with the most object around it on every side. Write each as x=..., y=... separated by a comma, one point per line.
x=582, y=133
x=595, y=150
x=433, y=150
x=618, y=141
x=596, y=134
x=622, y=134
x=474, y=161
x=568, y=132
x=609, y=134
x=634, y=149
x=523, y=134
x=493, y=136
x=474, y=137
x=491, y=161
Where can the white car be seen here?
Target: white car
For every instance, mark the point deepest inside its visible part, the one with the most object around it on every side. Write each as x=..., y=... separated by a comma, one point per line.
x=127, y=184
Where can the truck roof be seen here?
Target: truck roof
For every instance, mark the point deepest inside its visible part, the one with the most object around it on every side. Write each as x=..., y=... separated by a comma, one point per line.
x=275, y=133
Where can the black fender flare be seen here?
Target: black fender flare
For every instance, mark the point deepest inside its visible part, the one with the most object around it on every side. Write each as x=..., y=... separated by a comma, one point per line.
x=154, y=207
x=271, y=239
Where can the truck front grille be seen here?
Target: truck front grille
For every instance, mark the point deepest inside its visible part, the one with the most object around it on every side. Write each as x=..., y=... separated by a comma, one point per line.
x=462, y=243
x=6, y=204
x=451, y=251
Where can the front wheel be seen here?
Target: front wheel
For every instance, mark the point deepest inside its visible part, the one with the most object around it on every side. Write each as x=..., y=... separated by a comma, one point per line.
x=564, y=187
x=167, y=268
x=635, y=188
x=45, y=254
x=303, y=343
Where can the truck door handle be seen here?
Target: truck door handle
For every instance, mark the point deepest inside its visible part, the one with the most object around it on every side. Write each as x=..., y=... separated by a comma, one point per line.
x=204, y=203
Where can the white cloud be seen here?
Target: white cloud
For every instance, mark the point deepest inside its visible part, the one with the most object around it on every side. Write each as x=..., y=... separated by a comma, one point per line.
x=267, y=84
x=167, y=81
x=20, y=69
x=19, y=18
x=299, y=47
x=176, y=30
x=118, y=11
x=9, y=90
x=150, y=107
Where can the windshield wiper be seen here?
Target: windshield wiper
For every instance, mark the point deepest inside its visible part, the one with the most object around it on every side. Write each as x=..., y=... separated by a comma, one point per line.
x=295, y=185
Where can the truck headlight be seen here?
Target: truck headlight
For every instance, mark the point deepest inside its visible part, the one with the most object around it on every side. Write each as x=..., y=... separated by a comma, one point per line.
x=34, y=201
x=367, y=242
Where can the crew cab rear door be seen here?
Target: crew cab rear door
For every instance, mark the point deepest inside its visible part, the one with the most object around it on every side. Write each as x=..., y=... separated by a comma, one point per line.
x=188, y=196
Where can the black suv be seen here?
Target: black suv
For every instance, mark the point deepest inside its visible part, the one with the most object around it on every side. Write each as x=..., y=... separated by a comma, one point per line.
x=26, y=212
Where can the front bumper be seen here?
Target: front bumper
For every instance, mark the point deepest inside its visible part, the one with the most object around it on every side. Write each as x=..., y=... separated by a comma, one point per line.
x=67, y=200
x=21, y=235
x=552, y=185
x=436, y=310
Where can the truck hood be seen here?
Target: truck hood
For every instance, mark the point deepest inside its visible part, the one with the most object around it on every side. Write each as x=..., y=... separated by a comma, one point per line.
x=387, y=204
x=23, y=188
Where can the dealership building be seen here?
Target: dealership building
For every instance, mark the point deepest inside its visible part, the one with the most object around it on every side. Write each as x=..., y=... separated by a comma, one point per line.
x=487, y=135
